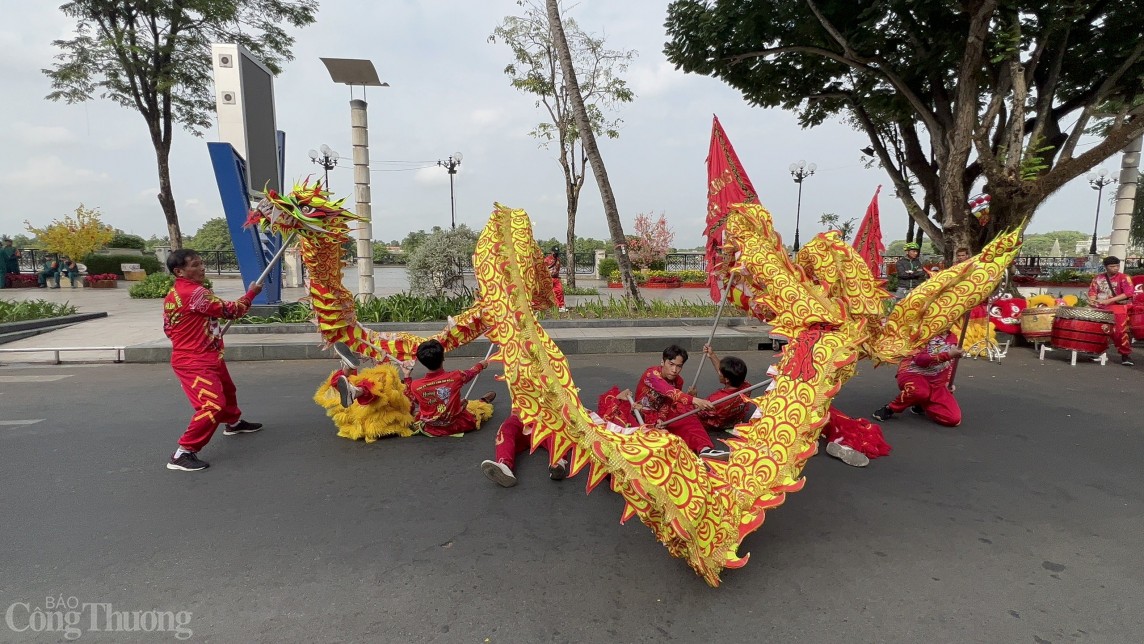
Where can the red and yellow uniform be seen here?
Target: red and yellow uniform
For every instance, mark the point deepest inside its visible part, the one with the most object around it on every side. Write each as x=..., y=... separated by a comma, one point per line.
x=553, y=265
x=1105, y=286
x=440, y=409
x=665, y=399
x=924, y=381
x=727, y=414
x=190, y=320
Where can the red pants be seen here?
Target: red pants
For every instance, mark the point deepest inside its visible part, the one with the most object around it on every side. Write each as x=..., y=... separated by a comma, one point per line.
x=511, y=440
x=211, y=392
x=690, y=429
x=934, y=397
x=1119, y=333
x=558, y=289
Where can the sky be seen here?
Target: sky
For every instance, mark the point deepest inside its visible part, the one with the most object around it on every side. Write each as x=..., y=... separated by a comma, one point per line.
x=448, y=93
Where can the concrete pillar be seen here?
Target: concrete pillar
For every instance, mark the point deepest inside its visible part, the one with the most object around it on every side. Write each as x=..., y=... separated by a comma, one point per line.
x=161, y=253
x=1125, y=198
x=292, y=268
x=599, y=258
x=359, y=138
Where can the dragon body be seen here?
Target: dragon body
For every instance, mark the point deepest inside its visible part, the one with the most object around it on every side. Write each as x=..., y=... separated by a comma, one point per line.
x=701, y=510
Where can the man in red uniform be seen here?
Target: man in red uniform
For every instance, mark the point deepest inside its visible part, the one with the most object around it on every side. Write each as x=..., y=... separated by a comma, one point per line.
x=190, y=319
x=1112, y=291
x=552, y=261
x=660, y=396
x=437, y=395
x=733, y=376
x=511, y=441
x=924, y=382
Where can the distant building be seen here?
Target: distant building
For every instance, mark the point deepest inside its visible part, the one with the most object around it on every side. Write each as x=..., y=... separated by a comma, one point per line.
x=1102, y=246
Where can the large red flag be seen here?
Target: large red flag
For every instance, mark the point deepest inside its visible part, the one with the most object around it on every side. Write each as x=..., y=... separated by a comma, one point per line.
x=868, y=242
x=727, y=183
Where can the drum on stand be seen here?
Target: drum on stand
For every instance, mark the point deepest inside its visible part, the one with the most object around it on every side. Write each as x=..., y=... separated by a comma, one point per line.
x=1079, y=328
x=1037, y=323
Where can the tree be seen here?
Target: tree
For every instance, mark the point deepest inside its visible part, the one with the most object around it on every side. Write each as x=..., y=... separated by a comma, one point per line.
x=127, y=240
x=214, y=234
x=439, y=265
x=652, y=242
x=415, y=239
x=990, y=86
x=75, y=237
x=584, y=127
x=833, y=222
x=155, y=241
x=536, y=70
x=154, y=57
x=1136, y=233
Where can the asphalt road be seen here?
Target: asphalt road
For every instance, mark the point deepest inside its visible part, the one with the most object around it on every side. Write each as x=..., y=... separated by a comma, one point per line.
x=1023, y=525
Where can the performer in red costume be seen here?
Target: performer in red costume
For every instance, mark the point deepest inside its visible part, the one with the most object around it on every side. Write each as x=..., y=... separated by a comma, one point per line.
x=190, y=319
x=924, y=382
x=552, y=261
x=1113, y=291
x=440, y=409
x=733, y=378
x=660, y=396
x=511, y=441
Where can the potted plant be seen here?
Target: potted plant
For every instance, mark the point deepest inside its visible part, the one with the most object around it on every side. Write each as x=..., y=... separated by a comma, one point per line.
x=102, y=280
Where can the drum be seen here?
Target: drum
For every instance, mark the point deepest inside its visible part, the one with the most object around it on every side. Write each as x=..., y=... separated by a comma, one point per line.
x=1080, y=328
x=1136, y=320
x=1037, y=323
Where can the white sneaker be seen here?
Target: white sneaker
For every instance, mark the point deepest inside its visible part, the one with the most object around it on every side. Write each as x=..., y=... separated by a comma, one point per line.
x=563, y=309
x=348, y=392
x=350, y=359
x=715, y=453
x=498, y=473
x=559, y=472
x=848, y=455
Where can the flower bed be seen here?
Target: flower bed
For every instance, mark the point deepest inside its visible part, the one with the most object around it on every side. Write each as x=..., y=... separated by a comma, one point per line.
x=21, y=280
x=102, y=280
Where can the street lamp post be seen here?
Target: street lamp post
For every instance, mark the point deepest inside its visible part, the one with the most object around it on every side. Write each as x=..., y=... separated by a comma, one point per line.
x=451, y=167
x=328, y=159
x=800, y=171
x=1098, y=180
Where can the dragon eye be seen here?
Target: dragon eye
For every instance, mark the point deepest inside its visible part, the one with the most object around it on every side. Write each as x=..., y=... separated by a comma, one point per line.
x=307, y=210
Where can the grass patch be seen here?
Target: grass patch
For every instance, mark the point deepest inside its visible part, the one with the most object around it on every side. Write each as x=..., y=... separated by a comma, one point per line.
x=580, y=290
x=615, y=308
x=12, y=311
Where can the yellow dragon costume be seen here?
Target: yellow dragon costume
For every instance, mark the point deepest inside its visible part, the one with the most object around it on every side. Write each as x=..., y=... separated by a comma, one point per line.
x=700, y=510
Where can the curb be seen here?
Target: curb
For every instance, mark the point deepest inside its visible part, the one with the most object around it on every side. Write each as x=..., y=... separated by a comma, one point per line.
x=435, y=326
x=12, y=331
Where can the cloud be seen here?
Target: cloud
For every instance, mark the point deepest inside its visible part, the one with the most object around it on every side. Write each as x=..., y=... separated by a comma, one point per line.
x=50, y=172
x=486, y=117
x=650, y=81
x=432, y=176
x=23, y=133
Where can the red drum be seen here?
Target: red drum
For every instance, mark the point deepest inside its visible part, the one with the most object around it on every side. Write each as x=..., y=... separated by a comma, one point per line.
x=1136, y=320
x=1077, y=328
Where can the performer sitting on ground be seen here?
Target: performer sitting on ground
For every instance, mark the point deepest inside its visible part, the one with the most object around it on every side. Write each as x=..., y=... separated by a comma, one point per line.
x=660, y=397
x=366, y=402
x=733, y=376
x=512, y=439
x=1113, y=291
x=924, y=382
x=190, y=319
x=437, y=395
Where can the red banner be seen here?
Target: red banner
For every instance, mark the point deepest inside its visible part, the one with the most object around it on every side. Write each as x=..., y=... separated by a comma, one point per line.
x=868, y=241
x=727, y=183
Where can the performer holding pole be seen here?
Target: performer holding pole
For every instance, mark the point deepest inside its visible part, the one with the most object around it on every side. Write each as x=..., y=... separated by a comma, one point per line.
x=714, y=327
x=266, y=271
x=721, y=401
x=473, y=382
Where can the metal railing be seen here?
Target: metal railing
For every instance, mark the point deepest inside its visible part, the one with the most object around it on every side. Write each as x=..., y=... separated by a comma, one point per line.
x=686, y=262
x=219, y=262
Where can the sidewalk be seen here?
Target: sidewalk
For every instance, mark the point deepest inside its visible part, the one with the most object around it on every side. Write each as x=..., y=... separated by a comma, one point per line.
x=136, y=326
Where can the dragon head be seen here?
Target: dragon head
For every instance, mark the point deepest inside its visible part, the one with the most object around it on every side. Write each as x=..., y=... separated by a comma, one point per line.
x=308, y=210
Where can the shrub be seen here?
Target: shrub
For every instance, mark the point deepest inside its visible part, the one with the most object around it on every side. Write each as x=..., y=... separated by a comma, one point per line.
x=438, y=266
x=11, y=311
x=113, y=263
x=156, y=286
x=21, y=280
x=124, y=240
x=609, y=265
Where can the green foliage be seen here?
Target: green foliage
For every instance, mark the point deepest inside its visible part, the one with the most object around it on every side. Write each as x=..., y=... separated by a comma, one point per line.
x=1070, y=275
x=293, y=313
x=382, y=255
x=580, y=290
x=155, y=286
x=897, y=247
x=22, y=311
x=609, y=265
x=642, y=277
x=154, y=241
x=624, y=308
x=1136, y=232
x=833, y=222
x=214, y=234
x=125, y=240
x=112, y=263
x=405, y=307
x=439, y=264
x=1041, y=244
x=415, y=238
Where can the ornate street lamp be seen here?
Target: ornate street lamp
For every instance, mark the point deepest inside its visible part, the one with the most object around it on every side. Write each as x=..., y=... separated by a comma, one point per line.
x=451, y=167
x=800, y=171
x=1098, y=180
x=328, y=159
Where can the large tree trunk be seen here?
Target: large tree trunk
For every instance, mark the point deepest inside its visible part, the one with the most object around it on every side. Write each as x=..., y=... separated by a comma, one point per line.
x=167, y=200
x=580, y=114
x=571, y=245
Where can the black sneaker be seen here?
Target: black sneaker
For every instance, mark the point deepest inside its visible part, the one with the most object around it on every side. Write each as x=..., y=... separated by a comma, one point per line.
x=559, y=472
x=241, y=427
x=349, y=358
x=188, y=462
x=883, y=413
x=917, y=410
x=1126, y=361
x=489, y=397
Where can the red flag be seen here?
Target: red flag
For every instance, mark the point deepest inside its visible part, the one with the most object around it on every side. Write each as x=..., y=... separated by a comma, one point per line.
x=727, y=183
x=868, y=242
